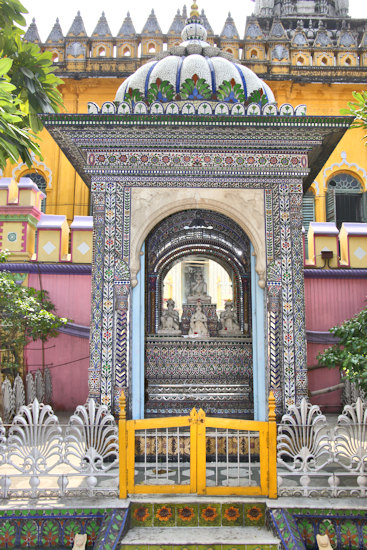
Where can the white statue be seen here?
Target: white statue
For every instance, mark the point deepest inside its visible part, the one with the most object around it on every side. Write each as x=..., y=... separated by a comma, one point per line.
x=170, y=320
x=198, y=290
x=198, y=323
x=79, y=542
x=228, y=319
x=323, y=542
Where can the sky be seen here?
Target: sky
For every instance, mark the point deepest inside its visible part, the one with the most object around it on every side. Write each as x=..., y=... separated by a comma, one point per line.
x=45, y=13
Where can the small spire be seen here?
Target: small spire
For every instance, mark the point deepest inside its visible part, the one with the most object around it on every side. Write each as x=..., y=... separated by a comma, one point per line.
x=127, y=27
x=184, y=12
x=77, y=28
x=194, y=10
x=102, y=28
x=55, y=35
x=151, y=26
x=229, y=30
x=177, y=24
x=32, y=34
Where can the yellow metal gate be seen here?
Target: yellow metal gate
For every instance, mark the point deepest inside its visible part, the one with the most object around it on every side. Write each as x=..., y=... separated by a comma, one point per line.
x=198, y=454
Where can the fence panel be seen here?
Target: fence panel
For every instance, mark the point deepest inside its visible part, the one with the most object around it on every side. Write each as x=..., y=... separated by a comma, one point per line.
x=233, y=457
x=161, y=455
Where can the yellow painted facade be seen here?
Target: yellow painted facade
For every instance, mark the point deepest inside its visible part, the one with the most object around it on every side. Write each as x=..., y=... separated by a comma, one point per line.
x=67, y=194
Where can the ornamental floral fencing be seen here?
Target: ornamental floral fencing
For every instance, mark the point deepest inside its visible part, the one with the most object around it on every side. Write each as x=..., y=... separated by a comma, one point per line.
x=318, y=459
x=39, y=457
x=37, y=385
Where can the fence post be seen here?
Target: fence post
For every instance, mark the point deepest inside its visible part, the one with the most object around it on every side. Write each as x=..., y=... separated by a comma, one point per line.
x=122, y=446
x=272, y=430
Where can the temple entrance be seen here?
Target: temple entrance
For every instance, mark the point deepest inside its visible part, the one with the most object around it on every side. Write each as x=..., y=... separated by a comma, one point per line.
x=198, y=335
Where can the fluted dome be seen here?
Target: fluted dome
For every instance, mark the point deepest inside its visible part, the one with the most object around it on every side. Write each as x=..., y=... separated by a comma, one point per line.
x=194, y=70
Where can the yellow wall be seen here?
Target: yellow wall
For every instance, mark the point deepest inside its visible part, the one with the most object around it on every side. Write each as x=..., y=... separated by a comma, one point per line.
x=328, y=99
x=68, y=195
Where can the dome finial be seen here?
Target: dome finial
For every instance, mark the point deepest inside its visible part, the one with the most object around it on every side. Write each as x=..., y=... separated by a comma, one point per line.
x=194, y=10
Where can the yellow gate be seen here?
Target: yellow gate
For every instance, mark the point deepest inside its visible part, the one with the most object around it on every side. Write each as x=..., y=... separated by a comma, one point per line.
x=198, y=454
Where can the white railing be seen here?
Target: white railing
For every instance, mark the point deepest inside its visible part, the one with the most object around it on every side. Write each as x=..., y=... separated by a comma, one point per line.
x=317, y=459
x=38, y=385
x=40, y=457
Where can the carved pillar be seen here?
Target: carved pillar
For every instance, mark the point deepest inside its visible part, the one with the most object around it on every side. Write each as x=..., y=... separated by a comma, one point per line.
x=293, y=305
x=110, y=291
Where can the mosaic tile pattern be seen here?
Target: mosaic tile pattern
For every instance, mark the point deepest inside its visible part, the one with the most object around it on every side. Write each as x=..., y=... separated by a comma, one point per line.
x=345, y=528
x=49, y=528
x=115, y=525
x=213, y=153
x=195, y=514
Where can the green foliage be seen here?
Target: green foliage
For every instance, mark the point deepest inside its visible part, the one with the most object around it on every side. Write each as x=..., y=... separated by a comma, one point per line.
x=358, y=109
x=27, y=87
x=350, y=353
x=26, y=314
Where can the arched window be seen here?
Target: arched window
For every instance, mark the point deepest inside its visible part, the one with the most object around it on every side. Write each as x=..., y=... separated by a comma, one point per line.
x=300, y=61
x=55, y=57
x=345, y=200
x=348, y=61
x=126, y=52
x=229, y=50
x=253, y=54
x=41, y=183
x=102, y=51
x=324, y=61
x=151, y=48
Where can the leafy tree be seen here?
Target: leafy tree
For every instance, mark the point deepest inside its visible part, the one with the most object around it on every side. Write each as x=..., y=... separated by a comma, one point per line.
x=350, y=353
x=27, y=87
x=26, y=314
x=358, y=109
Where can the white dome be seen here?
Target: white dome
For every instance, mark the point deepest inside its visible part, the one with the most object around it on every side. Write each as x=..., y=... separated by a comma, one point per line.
x=194, y=70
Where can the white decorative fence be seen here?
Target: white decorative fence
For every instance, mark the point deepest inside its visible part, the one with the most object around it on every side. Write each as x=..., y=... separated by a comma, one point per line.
x=317, y=459
x=38, y=385
x=39, y=457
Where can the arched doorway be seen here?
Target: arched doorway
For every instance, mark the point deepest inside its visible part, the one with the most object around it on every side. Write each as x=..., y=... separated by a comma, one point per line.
x=184, y=368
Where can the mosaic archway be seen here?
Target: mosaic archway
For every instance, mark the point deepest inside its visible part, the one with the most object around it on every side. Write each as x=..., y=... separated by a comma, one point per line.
x=214, y=372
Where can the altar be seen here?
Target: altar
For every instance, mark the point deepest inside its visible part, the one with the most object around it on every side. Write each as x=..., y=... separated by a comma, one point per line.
x=214, y=374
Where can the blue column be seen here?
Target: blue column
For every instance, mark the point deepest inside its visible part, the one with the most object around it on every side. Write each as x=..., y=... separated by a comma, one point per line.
x=258, y=343
x=137, y=342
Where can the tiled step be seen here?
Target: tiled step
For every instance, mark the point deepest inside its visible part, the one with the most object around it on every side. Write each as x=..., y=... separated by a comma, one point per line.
x=199, y=538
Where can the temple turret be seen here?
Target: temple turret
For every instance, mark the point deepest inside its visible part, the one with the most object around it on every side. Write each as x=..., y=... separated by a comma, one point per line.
x=32, y=34
x=77, y=40
x=55, y=43
x=151, y=36
x=229, y=37
x=174, y=32
x=101, y=39
x=126, y=40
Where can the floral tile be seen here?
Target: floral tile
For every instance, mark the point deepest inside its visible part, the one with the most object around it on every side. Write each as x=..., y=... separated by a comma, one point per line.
x=164, y=515
x=141, y=515
x=254, y=514
x=209, y=515
x=234, y=547
x=187, y=515
x=232, y=514
x=153, y=547
x=209, y=547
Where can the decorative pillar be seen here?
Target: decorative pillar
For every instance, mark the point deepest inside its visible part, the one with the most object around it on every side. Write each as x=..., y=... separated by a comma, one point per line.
x=108, y=369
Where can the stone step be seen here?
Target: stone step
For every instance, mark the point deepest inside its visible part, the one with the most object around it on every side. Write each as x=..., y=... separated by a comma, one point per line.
x=199, y=538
